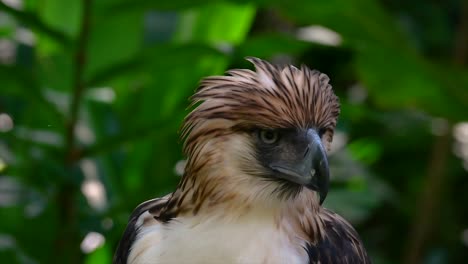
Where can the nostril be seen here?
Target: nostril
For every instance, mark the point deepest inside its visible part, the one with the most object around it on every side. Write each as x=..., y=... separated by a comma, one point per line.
x=306, y=151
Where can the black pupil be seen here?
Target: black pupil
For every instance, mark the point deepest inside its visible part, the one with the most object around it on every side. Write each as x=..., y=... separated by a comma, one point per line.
x=269, y=135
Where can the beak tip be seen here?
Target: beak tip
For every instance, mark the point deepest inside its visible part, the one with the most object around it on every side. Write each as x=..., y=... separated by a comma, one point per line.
x=322, y=198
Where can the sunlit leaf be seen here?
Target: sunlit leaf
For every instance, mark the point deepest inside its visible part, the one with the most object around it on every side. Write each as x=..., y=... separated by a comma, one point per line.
x=62, y=15
x=221, y=23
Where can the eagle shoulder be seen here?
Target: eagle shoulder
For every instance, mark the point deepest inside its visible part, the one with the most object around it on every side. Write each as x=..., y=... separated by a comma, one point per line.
x=136, y=220
x=339, y=243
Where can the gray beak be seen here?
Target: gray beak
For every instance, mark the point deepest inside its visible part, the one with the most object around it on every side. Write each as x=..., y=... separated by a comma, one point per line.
x=309, y=169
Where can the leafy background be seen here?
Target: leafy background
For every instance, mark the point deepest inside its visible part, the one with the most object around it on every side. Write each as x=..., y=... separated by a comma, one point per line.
x=92, y=94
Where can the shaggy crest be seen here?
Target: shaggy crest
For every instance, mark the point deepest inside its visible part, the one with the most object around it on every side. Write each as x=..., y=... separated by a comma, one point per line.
x=271, y=97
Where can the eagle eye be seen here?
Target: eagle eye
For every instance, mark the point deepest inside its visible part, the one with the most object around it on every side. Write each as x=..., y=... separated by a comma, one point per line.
x=268, y=136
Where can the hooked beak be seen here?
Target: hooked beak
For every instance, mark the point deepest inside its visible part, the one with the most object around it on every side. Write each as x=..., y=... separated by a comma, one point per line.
x=311, y=169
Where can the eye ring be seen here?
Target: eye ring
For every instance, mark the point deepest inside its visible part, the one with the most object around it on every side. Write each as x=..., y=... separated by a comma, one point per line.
x=268, y=136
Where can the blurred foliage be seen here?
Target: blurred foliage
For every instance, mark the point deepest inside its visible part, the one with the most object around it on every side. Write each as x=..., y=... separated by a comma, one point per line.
x=92, y=95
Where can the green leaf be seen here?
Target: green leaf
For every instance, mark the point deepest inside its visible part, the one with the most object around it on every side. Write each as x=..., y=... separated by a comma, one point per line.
x=7, y=26
x=215, y=24
x=64, y=16
x=30, y=4
x=397, y=79
x=100, y=255
x=56, y=71
x=267, y=45
x=113, y=40
x=365, y=150
x=18, y=82
x=47, y=47
x=125, y=5
x=170, y=79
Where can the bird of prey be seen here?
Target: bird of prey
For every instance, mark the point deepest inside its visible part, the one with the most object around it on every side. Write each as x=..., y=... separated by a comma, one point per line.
x=255, y=179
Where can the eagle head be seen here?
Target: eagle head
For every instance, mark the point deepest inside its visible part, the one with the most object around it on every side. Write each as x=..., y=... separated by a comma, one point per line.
x=261, y=133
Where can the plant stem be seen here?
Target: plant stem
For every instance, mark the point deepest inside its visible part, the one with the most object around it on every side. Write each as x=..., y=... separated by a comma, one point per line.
x=68, y=241
x=430, y=200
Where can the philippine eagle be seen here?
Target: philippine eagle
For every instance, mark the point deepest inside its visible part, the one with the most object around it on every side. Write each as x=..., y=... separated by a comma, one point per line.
x=255, y=178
